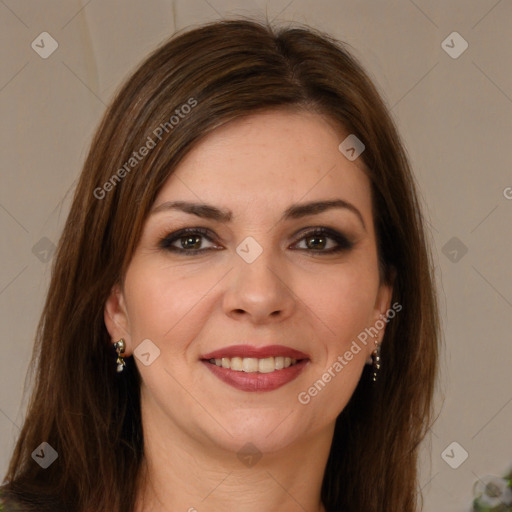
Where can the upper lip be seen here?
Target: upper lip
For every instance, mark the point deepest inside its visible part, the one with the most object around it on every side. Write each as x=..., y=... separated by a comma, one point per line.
x=256, y=352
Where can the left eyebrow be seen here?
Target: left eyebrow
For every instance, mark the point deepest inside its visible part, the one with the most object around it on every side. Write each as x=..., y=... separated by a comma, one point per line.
x=295, y=211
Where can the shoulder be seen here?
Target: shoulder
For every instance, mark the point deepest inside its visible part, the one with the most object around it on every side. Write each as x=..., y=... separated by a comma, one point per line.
x=8, y=505
x=26, y=502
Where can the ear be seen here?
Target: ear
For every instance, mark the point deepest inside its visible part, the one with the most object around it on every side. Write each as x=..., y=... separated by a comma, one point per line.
x=383, y=300
x=381, y=307
x=382, y=304
x=116, y=317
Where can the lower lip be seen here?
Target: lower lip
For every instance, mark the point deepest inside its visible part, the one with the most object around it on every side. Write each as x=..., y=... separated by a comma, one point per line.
x=254, y=381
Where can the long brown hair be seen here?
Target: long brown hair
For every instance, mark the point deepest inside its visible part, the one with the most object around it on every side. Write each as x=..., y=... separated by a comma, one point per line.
x=90, y=414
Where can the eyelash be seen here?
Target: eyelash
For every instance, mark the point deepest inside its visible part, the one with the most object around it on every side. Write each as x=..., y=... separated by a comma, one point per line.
x=166, y=243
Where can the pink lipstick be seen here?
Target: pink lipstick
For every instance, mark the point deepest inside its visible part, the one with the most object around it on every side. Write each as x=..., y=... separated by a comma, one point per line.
x=250, y=368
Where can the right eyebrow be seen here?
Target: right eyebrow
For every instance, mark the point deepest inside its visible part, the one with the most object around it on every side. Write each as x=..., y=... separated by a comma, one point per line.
x=204, y=211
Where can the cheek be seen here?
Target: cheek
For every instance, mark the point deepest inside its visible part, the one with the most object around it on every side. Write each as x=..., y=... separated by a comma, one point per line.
x=344, y=301
x=164, y=302
x=345, y=306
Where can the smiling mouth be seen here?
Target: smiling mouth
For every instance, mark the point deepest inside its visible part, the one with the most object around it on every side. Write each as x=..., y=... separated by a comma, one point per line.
x=255, y=365
x=253, y=368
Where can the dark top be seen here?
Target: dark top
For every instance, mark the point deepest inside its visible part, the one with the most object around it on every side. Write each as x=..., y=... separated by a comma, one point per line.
x=8, y=505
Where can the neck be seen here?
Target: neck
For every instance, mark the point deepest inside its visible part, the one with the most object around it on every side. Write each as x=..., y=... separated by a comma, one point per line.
x=186, y=474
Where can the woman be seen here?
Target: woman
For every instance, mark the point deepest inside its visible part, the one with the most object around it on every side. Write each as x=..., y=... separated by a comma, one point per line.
x=242, y=313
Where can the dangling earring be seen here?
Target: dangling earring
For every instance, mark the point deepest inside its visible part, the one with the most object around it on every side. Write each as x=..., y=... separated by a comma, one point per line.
x=120, y=347
x=376, y=360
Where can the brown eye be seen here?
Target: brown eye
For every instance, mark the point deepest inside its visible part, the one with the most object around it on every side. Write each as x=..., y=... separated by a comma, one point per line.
x=189, y=240
x=317, y=242
x=326, y=241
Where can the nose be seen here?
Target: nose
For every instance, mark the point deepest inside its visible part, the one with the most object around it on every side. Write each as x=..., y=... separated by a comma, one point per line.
x=259, y=292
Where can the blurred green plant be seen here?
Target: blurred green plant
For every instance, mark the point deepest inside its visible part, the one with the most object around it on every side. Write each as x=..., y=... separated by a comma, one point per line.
x=493, y=494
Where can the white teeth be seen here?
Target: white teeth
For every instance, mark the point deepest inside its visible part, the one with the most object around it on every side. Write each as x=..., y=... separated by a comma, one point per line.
x=249, y=364
x=253, y=365
x=235, y=364
x=266, y=365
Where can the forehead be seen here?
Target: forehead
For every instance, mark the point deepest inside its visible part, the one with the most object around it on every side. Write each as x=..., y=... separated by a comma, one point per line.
x=270, y=160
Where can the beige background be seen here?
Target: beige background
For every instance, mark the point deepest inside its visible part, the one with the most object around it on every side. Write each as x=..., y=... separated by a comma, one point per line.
x=455, y=116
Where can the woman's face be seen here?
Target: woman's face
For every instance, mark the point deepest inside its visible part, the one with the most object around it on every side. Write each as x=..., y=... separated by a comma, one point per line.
x=256, y=289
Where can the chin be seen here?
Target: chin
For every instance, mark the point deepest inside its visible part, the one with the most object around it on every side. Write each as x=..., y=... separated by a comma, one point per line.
x=268, y=429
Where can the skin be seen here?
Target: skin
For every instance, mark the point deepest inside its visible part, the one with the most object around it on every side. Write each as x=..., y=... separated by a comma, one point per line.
x=195, y=424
